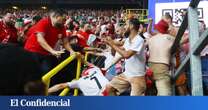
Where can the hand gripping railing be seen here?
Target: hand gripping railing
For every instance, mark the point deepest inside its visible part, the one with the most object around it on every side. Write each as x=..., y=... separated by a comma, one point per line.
x=46, y=78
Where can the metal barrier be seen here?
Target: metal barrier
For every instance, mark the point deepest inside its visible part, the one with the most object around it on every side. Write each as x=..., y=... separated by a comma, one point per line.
x=46, y=78
x=86, y=56
x=196, y=46
x=142, y=14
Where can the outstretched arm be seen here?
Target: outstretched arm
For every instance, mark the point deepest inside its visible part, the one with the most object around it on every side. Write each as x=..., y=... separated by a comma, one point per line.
x=124, y=53
x=92, y=49
x=95, y=53
x=149, y=27
x=57, y=87
x=67, y=46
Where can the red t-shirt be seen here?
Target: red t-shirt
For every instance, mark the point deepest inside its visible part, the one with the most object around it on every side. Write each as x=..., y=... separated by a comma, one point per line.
x=51, y=36
x=82, y=38
x=8, y=34
x=29, y=32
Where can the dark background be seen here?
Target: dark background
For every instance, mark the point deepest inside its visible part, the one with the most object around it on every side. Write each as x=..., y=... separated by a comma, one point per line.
x=112, y=4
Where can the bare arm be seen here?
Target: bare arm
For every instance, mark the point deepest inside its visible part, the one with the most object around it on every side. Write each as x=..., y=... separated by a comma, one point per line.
x=67, y=46
x=43, y=43
x=95, y=53
x=149, y=27
x=92, y=49
x=119, y=43
x=57, y=87
x=125, y=54
x=72, y=84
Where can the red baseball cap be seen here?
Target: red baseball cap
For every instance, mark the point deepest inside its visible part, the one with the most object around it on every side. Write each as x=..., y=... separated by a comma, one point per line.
x=162, y=27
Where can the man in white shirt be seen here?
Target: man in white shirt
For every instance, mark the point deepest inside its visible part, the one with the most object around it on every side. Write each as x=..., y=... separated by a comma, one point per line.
x=159, y=61
x=134, y=55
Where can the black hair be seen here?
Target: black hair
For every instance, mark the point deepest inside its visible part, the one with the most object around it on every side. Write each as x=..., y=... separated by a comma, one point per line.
x=168, y=16
x=58, y=12
x=135, y=22
x=35, y=88
x=36, y=18
x=71, y=26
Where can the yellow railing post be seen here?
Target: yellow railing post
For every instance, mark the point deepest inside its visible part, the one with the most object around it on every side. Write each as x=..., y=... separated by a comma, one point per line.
x=46, y=78
x=86, y=56
x=64, y=92
x=47, y=83
x=78, y=73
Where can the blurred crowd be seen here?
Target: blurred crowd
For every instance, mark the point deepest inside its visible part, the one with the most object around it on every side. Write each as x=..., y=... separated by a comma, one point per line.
x=137, y=58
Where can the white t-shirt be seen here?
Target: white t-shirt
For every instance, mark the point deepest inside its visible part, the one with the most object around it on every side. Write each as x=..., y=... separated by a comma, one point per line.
x=92, y=84
x=135, y=65
x=147, y=35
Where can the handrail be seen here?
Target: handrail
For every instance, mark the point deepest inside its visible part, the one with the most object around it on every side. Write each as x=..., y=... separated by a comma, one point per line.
x=196, y=46
x=199, y=46
x=179, y=35
x=78, y=73
x=181, y=67
x=184, y=25
x=86, y=56
x=46, y=78
x=176, y=44
x=64, y=92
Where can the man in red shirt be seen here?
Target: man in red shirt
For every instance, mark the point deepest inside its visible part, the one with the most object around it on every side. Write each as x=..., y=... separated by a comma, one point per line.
x=83, y=35
x=8, y=33
x=44, y=36
x=28, y=29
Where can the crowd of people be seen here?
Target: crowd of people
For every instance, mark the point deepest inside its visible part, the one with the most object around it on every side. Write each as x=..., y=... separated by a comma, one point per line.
x=126, y=56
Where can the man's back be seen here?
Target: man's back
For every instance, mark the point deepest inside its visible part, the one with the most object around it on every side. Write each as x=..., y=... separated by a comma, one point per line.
x=159, y=47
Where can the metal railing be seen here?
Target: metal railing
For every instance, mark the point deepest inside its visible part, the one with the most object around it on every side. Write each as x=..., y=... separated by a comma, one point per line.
x=142, y=14
x=47, y=77
x=197, y=44
x=86, y=56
